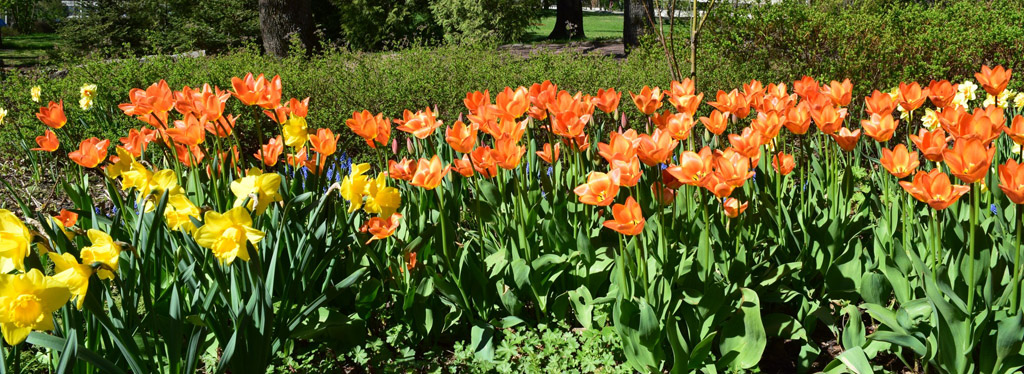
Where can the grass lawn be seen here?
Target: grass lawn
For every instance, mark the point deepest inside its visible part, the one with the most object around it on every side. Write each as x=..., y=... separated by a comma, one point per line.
x=595, y=26
x=27, y=49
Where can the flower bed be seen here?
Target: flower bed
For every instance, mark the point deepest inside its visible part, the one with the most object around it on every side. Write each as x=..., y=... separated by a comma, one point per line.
x=698, y=240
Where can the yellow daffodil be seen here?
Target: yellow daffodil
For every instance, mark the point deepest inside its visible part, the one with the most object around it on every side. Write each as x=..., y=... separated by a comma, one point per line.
x=969, y=89
x=74, y=275
x=1018, y=101
x=226, y=234
x=294, y=131
x=1003, y=100
x=85, y=103
x=161, y=181
x=382, y=199
x=264, y=186
x=3, y=113
x=15, y=240
x=60, y=225
x=36, y=93
x=27, y=302
x=88, y=90
x=354, y=186
x=133, y=174
x=930, y=120
x=989, y=100
x=102, y=250
x=179, y=213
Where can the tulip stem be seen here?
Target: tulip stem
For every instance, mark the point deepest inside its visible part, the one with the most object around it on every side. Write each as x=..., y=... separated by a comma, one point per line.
x=1016, y=262
x=970, y=261
x=936, y=241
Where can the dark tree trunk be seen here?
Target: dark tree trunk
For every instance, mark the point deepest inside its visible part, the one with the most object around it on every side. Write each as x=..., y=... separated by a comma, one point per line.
x=636, y=21
x=280, y=20
x=568, y=20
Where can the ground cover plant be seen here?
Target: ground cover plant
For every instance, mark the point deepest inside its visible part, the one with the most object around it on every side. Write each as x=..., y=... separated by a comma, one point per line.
x=892, y=225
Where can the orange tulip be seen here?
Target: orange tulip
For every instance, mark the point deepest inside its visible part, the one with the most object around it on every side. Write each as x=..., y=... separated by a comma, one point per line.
x=899, y=162
x=768, y=125
x=839, y=93
x=732, y=167
x=979, y=126
x=547, y=154
x=847, y=139
x=579, y=143
x=381, y=228
x=933, y=188
x=1016, y=130
x=297, y=159
x=655, y=149
x=67, y=218
x=137, y=141
x=462, y=138
x=541, y=95
x=222, y=127
x=258, y=91
x=1011, y=181
x=507, y=153
x=879, y=103
x=600, y=189
x=484, y=161
x=951, y=117
x=783, y=163
x=47, y=142
x=753, y=92
x=463, y=166
x=806, y=87
x=208, y=102
x=748, y=143
x=665, y=195
x=969, y=159
x=403, y=170
x=365, y=124
x=189, y=155
x=90, y=153
x=676, y=125
x=270, y=152
x=733, y=208
x=716, y=122
x=681, y=96
x=429, y=173
x=475, y=100
x=881, y=128
x=828, y=118
x=693, y=167
x=731, y=103
x=294, y=108
x=620, y=146
x=798, y=118
x=648, y=101
x=994, y=81
x=421, y=124
x=607, y=101
x=942, y=93
x=190, y=131
x=718, y=186
x=324, y=142
x=157, y=98
x=931, y=143
x=629, y=220
x=53, y=115
x=568, y=124
x=629, y=171
x=512, y=104
x=911, y=96
x=776, y=104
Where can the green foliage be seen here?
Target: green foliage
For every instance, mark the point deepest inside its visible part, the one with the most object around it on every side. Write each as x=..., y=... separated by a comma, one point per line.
x=385, y=24
x=127, y=28
x=547, y=350
x=475, y=21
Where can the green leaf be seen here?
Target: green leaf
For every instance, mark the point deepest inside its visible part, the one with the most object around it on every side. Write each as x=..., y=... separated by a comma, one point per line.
x=482, y=339
x=59, y=344
x=743, y=341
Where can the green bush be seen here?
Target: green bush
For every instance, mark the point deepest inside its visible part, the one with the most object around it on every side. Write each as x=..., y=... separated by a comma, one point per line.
x=384, y=24
x=474, y=21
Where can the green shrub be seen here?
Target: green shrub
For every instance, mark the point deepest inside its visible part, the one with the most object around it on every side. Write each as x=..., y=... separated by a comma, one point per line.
x=474, y=21
x=384, y=24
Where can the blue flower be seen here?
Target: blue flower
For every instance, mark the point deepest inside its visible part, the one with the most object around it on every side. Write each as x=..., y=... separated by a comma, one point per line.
x=663, y=166
x=994, y=209
x=550, y=170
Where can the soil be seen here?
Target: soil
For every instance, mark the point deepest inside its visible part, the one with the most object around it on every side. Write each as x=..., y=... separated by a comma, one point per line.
x=613, y=48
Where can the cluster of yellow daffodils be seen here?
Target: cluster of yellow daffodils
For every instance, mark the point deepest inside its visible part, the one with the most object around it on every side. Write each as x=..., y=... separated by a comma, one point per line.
x=259, y=189
x=136, y=176
x=379, y=197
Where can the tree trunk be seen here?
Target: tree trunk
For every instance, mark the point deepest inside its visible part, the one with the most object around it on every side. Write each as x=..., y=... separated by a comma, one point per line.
x=636, y=21
x=568, y=20
x=280, y=20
